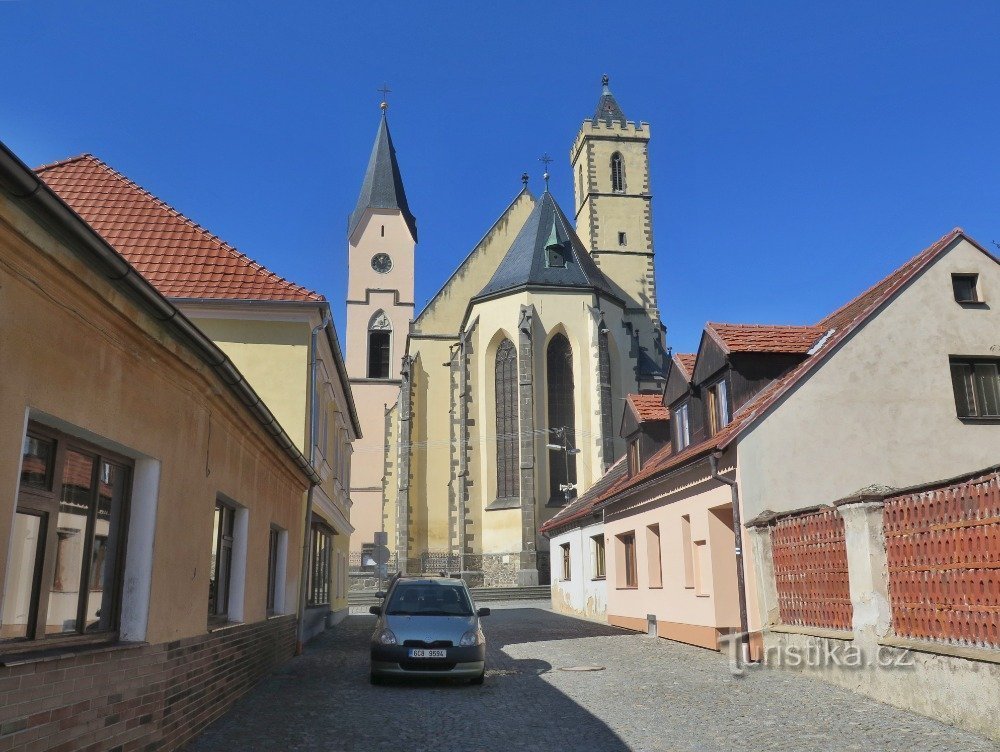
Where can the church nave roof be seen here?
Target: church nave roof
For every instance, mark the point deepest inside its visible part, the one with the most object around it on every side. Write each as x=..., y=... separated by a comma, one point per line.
x=546, y=253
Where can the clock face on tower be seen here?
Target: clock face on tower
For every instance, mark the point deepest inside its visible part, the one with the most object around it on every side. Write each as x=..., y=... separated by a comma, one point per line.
x=381, y=263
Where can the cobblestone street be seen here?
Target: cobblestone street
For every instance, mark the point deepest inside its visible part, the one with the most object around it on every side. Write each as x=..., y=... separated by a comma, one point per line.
x=653, y=695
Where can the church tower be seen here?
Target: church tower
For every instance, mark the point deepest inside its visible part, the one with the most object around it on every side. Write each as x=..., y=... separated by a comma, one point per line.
x=610, y=160
x=382, y=239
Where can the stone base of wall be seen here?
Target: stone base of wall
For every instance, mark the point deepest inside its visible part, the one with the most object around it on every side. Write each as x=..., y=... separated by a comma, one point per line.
x=136, y=697
x=958, y=691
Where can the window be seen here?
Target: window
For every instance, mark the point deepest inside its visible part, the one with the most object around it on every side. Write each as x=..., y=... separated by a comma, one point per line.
x=653, y=558
x=508, y=436
x=383, y=231
x=275, y=570
x=634, y=457
x=320, y=549
x=718, y=407
x=579, y=182
x=567, y=569
x=555, y=255
x=977, y=387
x=562, y=418
x=379, y=346
x=702, y=568
x=221, y=572
x=622, y=239
x=966, y=288
x=67, y=543
x=617, y=173
x=597, y=545
x=628, y=574
x=682, y=427
x=687, y=552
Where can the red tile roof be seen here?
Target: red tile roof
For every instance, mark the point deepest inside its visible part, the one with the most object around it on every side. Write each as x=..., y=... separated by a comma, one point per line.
x=648, y=407
x=758, y=338
x=686, y=361
x=178, y=256
x=838, y=325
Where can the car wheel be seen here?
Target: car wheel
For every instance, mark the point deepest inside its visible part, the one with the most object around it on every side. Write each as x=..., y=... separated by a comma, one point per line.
x=374, y=678
x=479, y=679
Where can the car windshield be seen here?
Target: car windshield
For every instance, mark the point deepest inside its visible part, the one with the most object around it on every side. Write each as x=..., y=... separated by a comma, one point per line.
x=429, y=599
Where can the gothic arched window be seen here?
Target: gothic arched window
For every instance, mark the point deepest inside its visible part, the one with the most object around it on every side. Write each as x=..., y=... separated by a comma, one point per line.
x=617, y=172
x=379, y=346
x=562, y=416
x=583, y=193
x=508, y=482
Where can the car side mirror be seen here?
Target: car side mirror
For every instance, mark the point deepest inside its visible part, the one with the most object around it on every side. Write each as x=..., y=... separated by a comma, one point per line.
x=375, y=610
x=380, y=595
x=483, y=612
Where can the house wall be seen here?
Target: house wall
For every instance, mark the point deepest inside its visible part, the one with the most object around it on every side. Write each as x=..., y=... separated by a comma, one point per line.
x=83, y=358
x=584, y=594
x=697, y=600
x=881, y=409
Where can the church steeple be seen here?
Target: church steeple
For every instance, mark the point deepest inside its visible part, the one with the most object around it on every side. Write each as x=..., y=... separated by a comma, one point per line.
x=607, y=106
x=382, y=187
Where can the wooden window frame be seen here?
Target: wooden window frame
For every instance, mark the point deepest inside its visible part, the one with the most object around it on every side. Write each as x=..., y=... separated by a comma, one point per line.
x=223, y=541
x=630, y=559
x=382, y=368
x=634, y=457
x=973, y=279
x=717, y=406
x=44, y=502
x=273, y=552
x=567, y=562
x=320, y=555
x=972, y=402
x=600, y=557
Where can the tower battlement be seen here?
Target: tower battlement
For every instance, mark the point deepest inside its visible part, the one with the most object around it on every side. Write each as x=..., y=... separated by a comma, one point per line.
x=602, y=129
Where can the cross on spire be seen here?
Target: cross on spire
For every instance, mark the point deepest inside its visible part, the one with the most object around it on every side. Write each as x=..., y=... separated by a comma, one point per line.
x=385, y=96
x=545, y=159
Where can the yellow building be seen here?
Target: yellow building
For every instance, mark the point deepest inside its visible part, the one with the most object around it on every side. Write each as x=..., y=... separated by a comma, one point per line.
x=279, y=334
x=152, y=513
x=514, y=374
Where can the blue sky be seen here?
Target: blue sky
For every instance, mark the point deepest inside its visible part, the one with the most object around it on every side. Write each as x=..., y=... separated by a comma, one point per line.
x=800, y=150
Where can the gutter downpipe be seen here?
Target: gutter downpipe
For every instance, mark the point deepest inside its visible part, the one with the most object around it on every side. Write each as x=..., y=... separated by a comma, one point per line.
x=744, y=653
x=313, y=405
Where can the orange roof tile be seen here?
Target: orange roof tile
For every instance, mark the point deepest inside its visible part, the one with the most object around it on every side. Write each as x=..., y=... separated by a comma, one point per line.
x=178, y=256
x=648, y=407
x=687, y=361
x=757, y=338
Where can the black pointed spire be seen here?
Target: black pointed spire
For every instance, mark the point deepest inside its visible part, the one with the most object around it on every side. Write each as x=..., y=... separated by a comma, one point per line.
x=382, y=187
x=607, y=106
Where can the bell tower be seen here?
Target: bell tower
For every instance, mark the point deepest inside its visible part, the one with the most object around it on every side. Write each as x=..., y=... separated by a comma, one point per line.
x=610, y=160
x=382, y=239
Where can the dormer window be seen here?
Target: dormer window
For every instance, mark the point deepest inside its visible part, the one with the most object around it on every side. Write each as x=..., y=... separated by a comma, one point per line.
x=682, y=427
x=555, y=256
x=718, y=407
x=634, y=457
x=966, y=288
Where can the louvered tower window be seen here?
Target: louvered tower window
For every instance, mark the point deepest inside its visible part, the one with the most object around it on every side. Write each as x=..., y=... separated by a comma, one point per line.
x=508, y=483
x=562, y=415
x=617, y=173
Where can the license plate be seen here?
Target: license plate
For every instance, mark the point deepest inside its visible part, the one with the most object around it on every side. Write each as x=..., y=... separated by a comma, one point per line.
x=421, y=653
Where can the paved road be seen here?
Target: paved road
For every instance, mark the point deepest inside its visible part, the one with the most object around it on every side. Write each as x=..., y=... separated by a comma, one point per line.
x=653, y=695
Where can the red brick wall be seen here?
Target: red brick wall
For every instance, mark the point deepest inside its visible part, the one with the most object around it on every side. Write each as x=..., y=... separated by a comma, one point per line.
x=150, y=697
x=810, y=569
x=943, y=552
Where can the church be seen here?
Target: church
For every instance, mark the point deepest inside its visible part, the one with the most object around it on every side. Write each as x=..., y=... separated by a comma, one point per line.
x=486, y=412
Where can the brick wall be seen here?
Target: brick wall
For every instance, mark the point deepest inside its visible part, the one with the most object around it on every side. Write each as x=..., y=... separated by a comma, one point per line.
x=148, y=697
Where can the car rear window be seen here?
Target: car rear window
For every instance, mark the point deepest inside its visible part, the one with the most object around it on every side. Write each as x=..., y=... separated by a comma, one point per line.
x=429, y=599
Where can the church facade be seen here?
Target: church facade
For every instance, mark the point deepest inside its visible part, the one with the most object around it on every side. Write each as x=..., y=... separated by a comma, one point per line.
x=510, y=383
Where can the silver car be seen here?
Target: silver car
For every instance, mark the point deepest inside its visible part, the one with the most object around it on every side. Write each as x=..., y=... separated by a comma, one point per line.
x=428, y=626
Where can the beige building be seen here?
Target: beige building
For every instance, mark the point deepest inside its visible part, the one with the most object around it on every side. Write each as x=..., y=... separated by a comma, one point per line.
x=279, y=334
x=153, y=515
x=821, y=425
x=514, y=373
